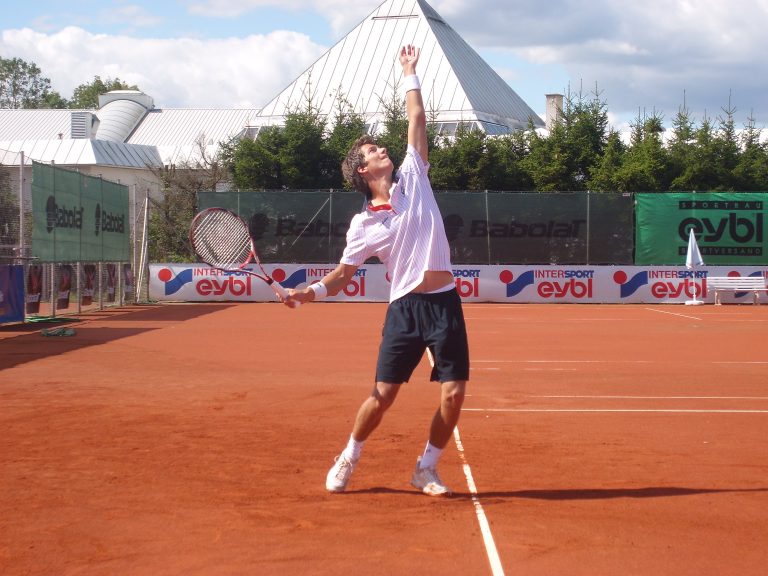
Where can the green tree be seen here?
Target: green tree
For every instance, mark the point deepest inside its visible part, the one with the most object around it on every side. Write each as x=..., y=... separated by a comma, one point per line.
x=680, y=147
x=444, y=169
x=302, y=156
x=548, y=162
x=255, y=163
x=54, y=100
x=504, y=164
x=566, y=158
x=394, y=137
x=701, y=172
x=22, y=85
x=604, y=176
x=471, y=158
x=296, y=155
x=347, y=127
x=586, y=133
x=645, y=165
x=86, y=96
x=751, y=172
x=726, y=150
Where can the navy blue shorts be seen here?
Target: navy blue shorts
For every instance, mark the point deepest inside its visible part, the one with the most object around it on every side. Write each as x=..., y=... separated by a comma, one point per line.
x=415, y=322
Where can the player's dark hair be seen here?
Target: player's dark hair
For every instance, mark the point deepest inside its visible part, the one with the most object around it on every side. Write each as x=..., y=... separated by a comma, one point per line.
x=356, y=159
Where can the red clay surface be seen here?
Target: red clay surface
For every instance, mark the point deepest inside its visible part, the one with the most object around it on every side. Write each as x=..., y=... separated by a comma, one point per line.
x=195, y=439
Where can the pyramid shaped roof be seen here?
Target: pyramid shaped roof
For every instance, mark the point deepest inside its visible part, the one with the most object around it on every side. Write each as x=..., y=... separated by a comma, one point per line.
x=457, y=84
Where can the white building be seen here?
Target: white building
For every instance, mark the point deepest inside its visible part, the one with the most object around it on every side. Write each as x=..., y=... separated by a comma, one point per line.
x=127, y=136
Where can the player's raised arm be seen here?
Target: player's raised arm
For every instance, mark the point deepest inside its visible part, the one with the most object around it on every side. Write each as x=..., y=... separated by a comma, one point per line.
x=414, y=105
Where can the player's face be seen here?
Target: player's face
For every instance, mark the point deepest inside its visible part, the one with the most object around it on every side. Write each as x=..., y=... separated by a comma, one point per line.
x=377, y=160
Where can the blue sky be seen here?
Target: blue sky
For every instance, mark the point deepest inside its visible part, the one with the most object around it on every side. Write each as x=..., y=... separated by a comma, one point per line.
x=174, y=19
x=643, y=57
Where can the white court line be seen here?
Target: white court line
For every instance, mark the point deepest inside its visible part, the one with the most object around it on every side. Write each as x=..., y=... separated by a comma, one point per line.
x=563, y=362
x=485, y=528
x=614, y=361
x=656, y=397
x=674, y=314
x=544, y=321
x=550, y=369
x=670, y=411
x=740, y=362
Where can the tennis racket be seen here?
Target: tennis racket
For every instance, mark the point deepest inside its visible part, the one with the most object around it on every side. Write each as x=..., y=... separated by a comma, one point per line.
x=220, y=238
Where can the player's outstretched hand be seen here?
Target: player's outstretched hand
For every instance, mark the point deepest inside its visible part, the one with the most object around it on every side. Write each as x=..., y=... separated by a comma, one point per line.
x=296, y=298
x=409, y=57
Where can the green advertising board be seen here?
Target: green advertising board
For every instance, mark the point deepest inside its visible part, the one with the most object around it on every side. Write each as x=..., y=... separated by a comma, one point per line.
x=729, y=227
x=291, y=225
x=78, y=218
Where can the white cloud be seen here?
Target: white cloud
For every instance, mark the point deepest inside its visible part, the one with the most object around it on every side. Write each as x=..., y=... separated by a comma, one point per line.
x=641, y=55
x=183, y=72
x=341, y=15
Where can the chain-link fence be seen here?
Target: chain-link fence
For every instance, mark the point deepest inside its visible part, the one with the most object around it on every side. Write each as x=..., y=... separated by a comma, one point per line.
x=38, y=239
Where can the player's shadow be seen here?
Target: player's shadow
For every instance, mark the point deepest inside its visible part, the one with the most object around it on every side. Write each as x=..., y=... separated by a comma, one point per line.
x=572, y=493
x=608, y=493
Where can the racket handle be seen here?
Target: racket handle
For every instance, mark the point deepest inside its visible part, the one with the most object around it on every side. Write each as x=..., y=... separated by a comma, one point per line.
x=280, y=291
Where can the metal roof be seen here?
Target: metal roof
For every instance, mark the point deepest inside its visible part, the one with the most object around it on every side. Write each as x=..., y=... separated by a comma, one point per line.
x=168, y=136
x=79, y=152
x=362, y=68
x=174, y=126
x=178, y=133
x=34, y=124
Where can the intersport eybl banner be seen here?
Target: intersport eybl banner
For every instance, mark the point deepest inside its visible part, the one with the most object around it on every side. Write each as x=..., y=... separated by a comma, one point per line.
x=730, y=228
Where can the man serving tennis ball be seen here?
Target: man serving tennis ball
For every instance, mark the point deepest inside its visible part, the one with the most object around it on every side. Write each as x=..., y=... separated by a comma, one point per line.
x=402, y=226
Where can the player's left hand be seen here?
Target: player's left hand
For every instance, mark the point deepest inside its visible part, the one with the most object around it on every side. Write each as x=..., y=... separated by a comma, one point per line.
x=409, y=56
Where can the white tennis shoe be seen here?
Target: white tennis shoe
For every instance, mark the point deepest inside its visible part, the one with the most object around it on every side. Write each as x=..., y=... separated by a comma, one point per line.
x=339, y=474
x=427, y=480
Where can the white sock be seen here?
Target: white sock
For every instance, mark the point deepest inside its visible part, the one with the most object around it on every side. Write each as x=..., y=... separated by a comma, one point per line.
x=430, y=457
x=353, y=449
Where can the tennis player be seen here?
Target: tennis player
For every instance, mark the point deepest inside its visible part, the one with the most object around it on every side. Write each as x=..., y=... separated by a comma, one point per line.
x=402, y=226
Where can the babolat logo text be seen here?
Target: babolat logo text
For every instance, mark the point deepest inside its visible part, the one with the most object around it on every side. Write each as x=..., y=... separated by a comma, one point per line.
x=108, y=222
x=550, y=229
x=318, y=228
x=62, y=216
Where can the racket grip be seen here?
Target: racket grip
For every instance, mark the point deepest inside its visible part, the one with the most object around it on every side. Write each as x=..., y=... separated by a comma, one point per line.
x=280, y=291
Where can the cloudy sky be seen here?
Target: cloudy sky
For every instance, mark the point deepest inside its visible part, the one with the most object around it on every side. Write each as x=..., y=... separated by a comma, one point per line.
x=643, y=57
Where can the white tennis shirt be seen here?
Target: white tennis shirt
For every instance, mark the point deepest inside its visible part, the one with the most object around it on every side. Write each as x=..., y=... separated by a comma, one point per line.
x=407, y=234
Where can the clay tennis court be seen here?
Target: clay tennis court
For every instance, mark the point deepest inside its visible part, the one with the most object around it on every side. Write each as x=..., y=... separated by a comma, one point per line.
x=195, y=439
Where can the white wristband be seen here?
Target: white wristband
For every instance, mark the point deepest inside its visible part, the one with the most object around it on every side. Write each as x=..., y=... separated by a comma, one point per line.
x=411, y=83
x=320, y=290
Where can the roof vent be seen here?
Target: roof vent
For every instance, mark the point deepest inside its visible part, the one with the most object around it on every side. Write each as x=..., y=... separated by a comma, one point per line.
x=120, y=111
x=136, y=96
x=83, y=125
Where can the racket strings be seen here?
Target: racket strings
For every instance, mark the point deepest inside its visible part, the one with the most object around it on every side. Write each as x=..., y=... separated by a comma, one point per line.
x=222, y=240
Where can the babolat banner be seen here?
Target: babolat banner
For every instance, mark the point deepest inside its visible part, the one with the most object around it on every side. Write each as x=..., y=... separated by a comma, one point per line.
x=482, y=227
x=730, y=228
x=78, y=218
x=555, y=228
x=291, y=225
